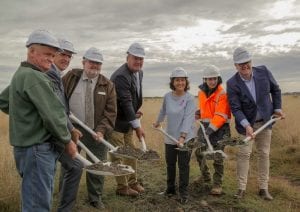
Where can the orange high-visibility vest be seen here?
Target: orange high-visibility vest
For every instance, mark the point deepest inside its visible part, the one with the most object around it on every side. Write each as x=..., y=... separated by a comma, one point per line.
x=215, y=109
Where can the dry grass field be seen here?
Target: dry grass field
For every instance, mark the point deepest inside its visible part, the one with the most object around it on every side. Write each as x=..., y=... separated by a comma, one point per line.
x=284, y=181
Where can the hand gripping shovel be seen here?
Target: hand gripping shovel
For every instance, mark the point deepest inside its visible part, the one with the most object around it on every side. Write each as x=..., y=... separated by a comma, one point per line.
x=113, y=150
x=237, y=142
x=210, y=150
x=99, y=168
x=180, y=146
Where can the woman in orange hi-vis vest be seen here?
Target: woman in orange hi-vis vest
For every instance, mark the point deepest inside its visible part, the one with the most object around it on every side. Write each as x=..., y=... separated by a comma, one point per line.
x=214, y=113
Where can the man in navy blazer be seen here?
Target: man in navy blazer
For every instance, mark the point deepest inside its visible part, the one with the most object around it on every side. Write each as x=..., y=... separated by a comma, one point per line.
x=254, y=96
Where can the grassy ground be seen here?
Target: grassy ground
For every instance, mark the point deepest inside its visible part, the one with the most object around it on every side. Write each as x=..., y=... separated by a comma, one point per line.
x=284, y=177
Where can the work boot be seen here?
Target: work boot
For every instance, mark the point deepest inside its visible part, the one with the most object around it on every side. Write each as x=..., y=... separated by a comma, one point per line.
x=216, y=190
x=240, y=194
x=168, y=193
x=137, y=187
x=127, y=191
x=264, y=194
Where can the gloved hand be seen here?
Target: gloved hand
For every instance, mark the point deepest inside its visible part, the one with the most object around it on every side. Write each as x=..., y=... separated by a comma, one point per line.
x=75, y=134
x=209, y=131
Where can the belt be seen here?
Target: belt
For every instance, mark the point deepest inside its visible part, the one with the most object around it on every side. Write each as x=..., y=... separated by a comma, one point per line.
x=260, y=120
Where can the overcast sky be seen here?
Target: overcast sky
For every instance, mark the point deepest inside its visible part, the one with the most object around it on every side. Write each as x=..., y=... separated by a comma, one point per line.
x=175, y=33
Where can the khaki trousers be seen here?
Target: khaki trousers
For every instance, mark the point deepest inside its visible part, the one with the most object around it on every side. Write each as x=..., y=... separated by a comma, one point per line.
x=262, y=142
x=122, y=139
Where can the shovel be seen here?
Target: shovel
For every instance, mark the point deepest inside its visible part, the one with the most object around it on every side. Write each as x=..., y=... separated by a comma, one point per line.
x=123, y=169
x=210, y=150
x=181, y=146
x=237, y=142
x=113, y=150
x=272, y=120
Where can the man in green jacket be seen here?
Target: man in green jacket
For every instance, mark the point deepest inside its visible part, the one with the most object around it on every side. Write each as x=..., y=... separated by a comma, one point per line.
x=37, y=122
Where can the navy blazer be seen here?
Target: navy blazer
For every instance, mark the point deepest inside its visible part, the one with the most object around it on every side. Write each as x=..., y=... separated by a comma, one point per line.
x=242, y=104
x=128, y=100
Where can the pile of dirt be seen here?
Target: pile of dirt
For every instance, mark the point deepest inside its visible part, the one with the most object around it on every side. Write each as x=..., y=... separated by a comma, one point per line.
x=129, y=151
x=114, y=168
x=137, y=153
x=150, y=155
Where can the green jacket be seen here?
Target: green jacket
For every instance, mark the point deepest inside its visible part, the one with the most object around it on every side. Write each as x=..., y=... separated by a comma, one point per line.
x=35, y=113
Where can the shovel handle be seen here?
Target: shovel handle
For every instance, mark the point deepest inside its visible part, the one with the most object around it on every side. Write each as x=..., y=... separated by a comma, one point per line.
x=210, y=148
x=169, y=136
x=84, y=161
x=144, y=147
x=272, y=120
x=88, y=152
x=84, y=126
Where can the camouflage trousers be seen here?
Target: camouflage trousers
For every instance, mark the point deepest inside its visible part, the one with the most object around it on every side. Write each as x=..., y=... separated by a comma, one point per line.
x=218, y=161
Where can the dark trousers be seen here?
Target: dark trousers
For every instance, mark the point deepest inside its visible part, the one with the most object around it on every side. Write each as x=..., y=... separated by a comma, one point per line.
x=71, y=171
x=184, y=169
x=95, y=183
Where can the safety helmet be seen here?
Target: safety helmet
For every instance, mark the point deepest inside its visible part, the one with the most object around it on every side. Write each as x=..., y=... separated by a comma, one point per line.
x=210, y=71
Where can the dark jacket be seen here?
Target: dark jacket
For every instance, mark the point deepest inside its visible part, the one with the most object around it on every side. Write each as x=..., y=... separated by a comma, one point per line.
x=128, y=100
x=105, y=105
x=242, y=103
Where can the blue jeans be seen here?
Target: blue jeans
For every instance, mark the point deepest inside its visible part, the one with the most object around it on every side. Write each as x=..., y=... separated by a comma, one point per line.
x=36, y=166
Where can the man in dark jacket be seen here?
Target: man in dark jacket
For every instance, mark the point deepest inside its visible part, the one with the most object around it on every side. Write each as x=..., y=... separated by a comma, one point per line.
x=254, y=96
x=128, y=81
x=92, y=99
x=71, y=170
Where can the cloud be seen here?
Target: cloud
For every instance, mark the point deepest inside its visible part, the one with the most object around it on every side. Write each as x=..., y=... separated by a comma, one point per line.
x=174, y=33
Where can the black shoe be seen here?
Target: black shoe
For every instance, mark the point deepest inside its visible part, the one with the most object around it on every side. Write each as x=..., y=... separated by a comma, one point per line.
x=183, y=200
x=97, y=204
x=168, y=193
x=264, y=194
x=240, y=194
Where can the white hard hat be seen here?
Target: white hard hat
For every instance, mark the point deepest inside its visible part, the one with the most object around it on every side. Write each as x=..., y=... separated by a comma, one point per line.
x=44, y=37
x=210, y=71
x=178, y=72
x=241, y=55
x=66, y=45
x=93, y=54
x=137, y=50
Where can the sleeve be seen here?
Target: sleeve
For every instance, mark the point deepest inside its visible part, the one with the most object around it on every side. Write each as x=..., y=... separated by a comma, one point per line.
x=235, y=103
x=124, y=96
x=221, y=113
x=275, y=92
x=189, y=116
x=162, y=112
x=51, y=110
x=107, y=122
x=4, y=100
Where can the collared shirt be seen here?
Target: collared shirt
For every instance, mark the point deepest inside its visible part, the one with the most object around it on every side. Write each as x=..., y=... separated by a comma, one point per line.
x=251, y=87
x=77, y=99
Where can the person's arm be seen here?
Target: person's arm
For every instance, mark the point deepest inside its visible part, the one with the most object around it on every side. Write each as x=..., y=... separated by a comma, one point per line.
x=51, y=110
x=275, y=93
x=4, y=100
x=189, y=117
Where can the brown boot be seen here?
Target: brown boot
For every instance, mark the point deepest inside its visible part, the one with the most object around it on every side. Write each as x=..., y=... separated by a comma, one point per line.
x=137, y=187
x=264, y=194
x=126, y=191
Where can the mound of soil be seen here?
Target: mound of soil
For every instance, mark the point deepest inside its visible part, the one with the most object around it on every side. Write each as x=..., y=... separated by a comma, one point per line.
x=114, y=168
x=138, y=153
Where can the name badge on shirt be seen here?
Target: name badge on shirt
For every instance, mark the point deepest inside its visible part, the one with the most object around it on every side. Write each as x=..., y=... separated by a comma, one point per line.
x=102, y=93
